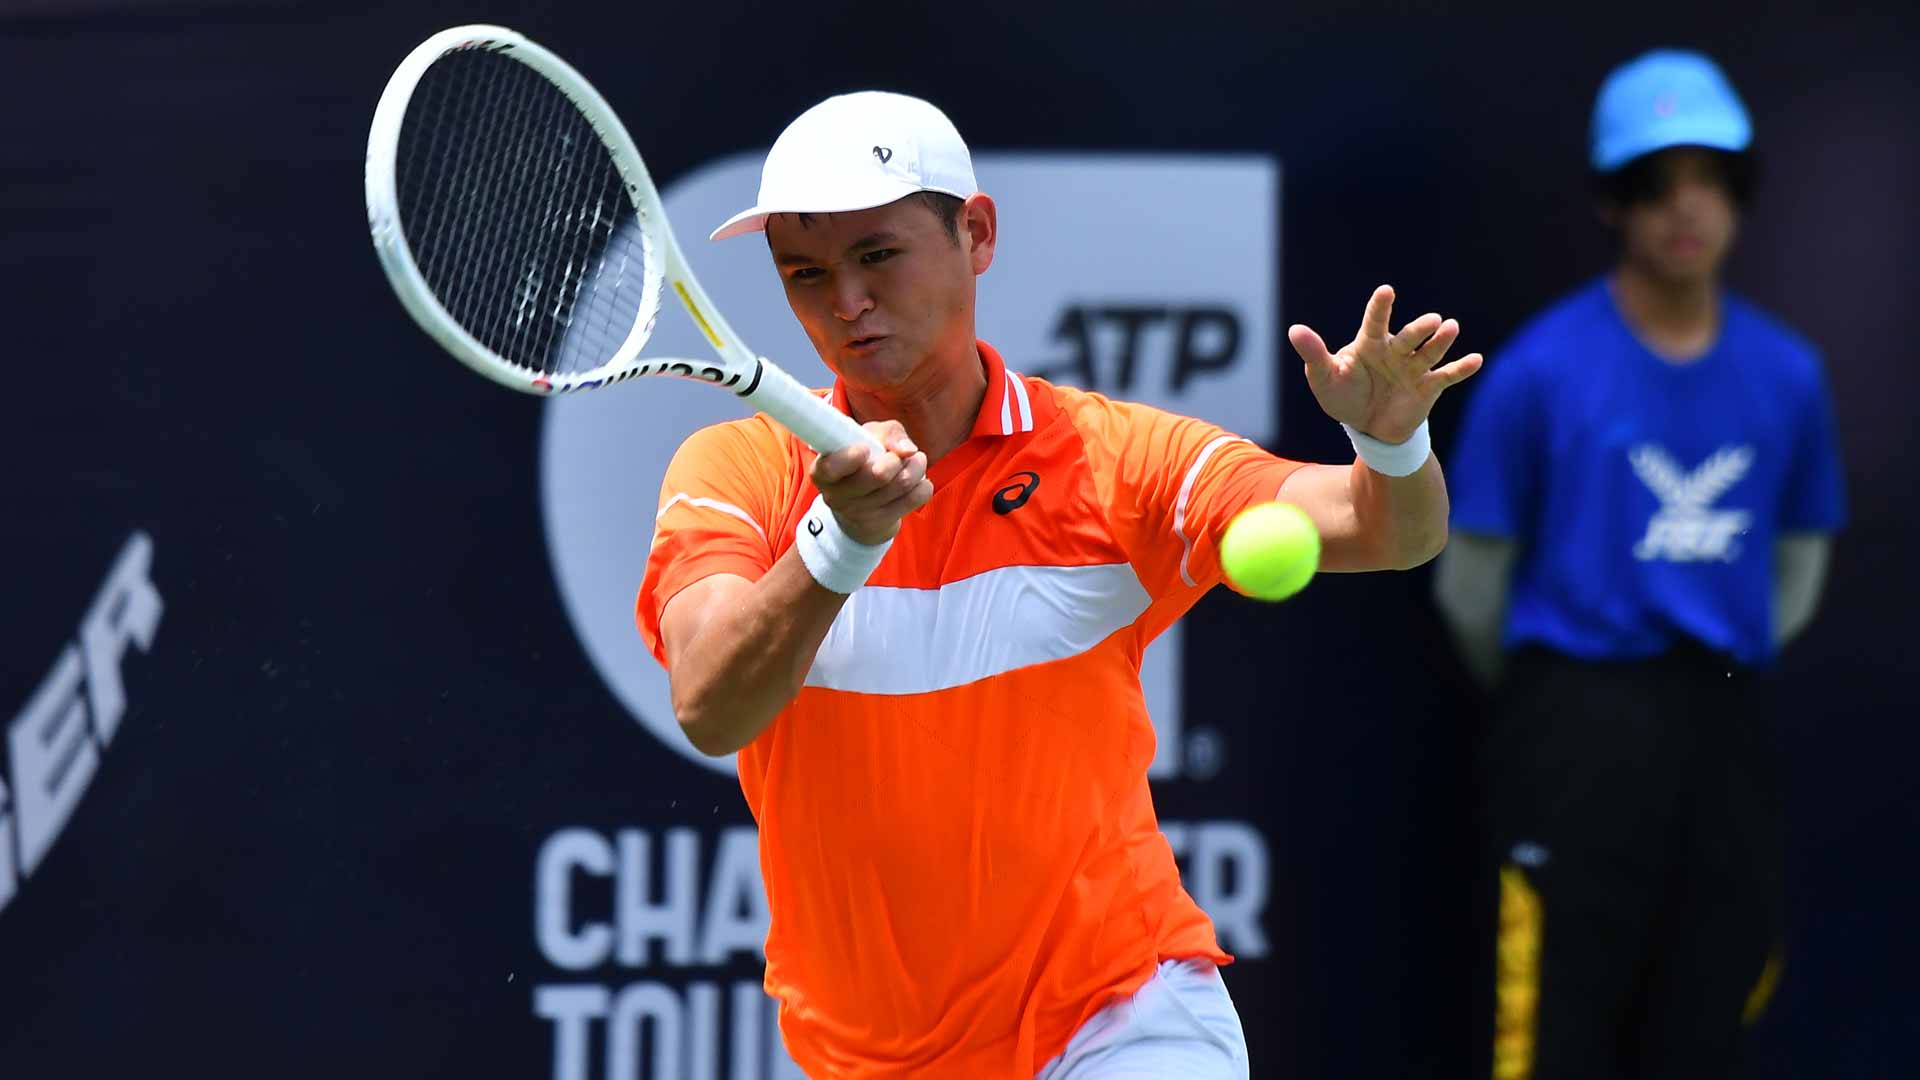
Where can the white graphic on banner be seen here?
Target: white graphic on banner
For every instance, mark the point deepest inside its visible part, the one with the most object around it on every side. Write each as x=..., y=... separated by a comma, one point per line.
x=1148, y=277
x=1687, y=528
x=656, y=909
x=689, y=910
x=55, y=742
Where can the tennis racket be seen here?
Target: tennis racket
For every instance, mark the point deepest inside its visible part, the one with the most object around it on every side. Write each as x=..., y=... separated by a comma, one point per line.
x=518, y=225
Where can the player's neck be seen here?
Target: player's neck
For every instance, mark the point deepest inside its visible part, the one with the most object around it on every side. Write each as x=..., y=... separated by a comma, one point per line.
x=937, y=405
x=1678, y=320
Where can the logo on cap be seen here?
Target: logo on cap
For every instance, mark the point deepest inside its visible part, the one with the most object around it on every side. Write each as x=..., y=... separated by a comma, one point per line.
x=884, y=154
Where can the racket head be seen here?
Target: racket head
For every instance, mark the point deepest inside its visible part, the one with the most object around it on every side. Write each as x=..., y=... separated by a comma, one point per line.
x=513, y=215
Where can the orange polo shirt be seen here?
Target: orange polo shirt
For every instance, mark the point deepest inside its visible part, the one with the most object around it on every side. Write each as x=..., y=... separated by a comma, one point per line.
x=956, y=834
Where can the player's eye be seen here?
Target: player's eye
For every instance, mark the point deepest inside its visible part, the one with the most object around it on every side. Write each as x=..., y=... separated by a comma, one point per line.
x=878, y=255
x=805, y=274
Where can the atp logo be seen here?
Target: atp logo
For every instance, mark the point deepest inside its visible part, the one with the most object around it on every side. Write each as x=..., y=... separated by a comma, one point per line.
x=1687, y=528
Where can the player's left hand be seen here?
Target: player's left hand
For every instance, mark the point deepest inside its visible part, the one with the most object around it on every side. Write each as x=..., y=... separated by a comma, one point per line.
x=1383, y=384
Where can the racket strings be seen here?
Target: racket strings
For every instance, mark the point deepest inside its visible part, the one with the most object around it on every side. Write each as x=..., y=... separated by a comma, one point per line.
x=517, y=216
x=519, y=320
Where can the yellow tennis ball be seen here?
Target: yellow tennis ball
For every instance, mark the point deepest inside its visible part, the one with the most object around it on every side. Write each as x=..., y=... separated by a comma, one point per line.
x=1270, y=551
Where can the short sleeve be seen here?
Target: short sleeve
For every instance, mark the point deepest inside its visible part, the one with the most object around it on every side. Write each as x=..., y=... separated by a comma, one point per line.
x=1815, y=498
x=1173, y=483
x=1493, y=474
x=719, y=506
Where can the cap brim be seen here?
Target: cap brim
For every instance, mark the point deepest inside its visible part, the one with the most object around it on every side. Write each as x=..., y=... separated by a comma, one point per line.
x=751, y=220
x=754, y=218
x=1717, y=135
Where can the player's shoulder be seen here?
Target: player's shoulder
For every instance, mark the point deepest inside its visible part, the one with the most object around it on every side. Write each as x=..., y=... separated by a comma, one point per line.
x=1092, y=411
x=752, y=438
x=1115, y=433
x=1109, y=426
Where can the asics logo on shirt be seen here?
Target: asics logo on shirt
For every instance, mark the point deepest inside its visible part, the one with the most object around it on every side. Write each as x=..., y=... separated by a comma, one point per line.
x=1687, y=528
x=1014, y=495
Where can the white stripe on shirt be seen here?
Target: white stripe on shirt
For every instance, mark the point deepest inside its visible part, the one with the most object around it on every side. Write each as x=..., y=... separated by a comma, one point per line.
x=1180, y=503
x=889, y=640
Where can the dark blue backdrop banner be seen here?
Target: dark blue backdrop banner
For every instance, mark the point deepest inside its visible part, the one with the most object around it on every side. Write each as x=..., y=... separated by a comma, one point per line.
x=330, y=747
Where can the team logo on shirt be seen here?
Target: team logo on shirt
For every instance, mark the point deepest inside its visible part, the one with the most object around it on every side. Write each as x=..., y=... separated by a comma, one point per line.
x=1015, y=494
x=1687, y=528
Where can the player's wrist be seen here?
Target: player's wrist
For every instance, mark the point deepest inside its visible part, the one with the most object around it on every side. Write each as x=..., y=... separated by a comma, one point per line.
x=835, y=559
x=1392, y=459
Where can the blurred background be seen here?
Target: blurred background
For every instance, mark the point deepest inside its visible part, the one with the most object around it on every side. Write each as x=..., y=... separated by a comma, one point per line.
x=313, y=767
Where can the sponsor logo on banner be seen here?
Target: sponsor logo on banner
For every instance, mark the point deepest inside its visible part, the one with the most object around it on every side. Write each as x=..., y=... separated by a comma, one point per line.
x=1148, y=277
x=55, y=741
x=679, y=916
x=654, y=940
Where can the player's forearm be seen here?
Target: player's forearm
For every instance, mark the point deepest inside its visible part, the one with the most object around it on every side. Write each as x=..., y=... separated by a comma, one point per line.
x=750, y=656
x=1402, y=519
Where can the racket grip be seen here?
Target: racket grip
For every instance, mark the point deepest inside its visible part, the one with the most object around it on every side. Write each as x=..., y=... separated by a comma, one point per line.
x=803, y=412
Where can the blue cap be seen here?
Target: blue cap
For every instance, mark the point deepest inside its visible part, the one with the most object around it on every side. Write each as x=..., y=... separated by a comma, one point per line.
x=1667, y=97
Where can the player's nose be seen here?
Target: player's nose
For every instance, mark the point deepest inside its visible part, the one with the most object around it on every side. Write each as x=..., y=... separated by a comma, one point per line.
x=851, y=298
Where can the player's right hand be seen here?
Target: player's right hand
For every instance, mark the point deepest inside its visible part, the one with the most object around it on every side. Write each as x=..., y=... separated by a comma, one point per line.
x=869, y=493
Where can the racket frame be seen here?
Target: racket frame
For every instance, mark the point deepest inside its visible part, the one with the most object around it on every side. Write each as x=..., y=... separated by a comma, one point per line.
x=739, y=369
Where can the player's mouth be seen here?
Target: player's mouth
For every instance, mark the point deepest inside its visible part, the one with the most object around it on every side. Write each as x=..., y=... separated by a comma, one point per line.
x=861, y=346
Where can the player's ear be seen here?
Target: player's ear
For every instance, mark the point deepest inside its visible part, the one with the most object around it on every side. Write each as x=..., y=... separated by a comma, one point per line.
x=980, y=227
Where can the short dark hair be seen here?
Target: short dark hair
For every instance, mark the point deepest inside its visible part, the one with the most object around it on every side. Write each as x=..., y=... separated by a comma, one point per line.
x=1645, y=178
x=944, y=206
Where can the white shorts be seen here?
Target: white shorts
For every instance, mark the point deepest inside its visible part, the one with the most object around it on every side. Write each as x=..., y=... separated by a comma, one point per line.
x=1180, y=1024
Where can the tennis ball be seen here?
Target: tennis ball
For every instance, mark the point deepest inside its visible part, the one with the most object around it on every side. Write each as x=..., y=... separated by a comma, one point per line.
x=1270, y=551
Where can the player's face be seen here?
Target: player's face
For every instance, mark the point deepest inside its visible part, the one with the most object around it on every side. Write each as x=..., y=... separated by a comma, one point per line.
x=1683, y=234
x=878, y=291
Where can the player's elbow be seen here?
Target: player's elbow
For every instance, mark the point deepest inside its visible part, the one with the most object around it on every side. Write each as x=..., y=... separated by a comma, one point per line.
x=703, y=721
x=707, y=736
x=1418, y=545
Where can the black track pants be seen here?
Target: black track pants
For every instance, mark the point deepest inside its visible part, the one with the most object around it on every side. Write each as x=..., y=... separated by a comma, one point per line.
x=1632, y=816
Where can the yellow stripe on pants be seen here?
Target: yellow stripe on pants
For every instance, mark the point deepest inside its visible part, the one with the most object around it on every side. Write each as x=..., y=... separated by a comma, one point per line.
x=1516, y=976
x=1762, y=992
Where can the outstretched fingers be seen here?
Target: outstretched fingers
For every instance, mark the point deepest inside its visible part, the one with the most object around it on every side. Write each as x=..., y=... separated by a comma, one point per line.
x=1457, y=372
x=1415, y=335
x=1312, y=349
x=1374, y=324
x=1431, y=347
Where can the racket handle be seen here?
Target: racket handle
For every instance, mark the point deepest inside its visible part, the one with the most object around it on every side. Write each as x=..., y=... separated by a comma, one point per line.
x=803, y=412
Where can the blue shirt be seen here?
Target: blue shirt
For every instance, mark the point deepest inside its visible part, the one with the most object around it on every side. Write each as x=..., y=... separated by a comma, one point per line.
x=1645, y=495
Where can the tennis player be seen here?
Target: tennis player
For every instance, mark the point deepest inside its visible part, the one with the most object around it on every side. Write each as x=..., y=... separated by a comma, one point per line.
x=928, y=657
x=1648, y=491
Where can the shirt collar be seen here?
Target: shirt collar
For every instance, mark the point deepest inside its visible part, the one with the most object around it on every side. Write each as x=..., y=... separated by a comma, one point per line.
x=1006, y=410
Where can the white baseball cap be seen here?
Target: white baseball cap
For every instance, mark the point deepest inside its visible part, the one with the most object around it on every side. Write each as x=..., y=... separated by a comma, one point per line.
x=855, y=152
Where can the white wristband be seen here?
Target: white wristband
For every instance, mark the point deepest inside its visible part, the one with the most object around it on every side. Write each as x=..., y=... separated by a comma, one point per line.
x=837, y=561
x=1393, y=459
